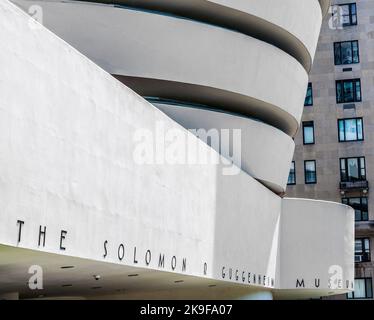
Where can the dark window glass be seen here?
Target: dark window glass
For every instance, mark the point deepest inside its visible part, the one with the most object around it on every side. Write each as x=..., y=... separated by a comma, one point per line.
x=355, y=52
x=352, y=169
x=362, y=250
x=360, y=205
x=363, y=289
x=348, y=91
x=309, y=95
x=350, y=129
x=308, y=132
x=345, y=14
x=292, y=175
x=346, y=52
x=310, y=171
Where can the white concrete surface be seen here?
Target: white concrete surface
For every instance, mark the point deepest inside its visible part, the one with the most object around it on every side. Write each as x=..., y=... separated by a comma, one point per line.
x=231, y=70
x=291, y=15
x=281, y=23
x=316, y=230
x=67, y=163
x=266, y=152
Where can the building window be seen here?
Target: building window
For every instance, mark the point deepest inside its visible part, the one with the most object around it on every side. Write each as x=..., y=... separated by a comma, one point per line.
x=363, y=289
x=348, y=91
x=360, y=205
x=310, y=171
x=350, y=129
x=346, y=52
x=292, y=175
x=347, y=14
x=362, y=250
x=352, y=169
x=309, y=95
x=308, y=132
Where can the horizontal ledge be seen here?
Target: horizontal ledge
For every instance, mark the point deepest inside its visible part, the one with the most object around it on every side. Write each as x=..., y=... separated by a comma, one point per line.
x=259, y=147
x=229, y=17
x=255, y=73
x=214, y=98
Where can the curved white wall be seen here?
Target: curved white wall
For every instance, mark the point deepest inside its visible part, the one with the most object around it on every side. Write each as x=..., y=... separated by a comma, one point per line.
x=266, y=152
x=331, y=225
x=290, y=15
x=281, y=23
x=258, y=79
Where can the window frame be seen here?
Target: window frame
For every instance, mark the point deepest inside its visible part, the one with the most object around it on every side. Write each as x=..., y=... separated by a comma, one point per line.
x=345, y=133
x=310, y=86
x=342, y=82
x=346, y=201
x=346, y=168
x=340, y=45
x=350, y=5
x=294, y=174
x=308, y=124
x=315, y=172
x=367, y=294
x=366, y=253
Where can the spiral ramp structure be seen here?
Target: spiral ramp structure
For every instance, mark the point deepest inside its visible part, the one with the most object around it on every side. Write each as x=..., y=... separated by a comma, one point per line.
x=68, y=124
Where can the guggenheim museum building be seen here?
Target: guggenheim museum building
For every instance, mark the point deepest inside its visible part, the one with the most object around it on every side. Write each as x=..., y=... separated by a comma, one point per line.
x=145, y=147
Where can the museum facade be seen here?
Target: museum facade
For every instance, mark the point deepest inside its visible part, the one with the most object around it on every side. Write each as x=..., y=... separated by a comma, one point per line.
x=90, y=206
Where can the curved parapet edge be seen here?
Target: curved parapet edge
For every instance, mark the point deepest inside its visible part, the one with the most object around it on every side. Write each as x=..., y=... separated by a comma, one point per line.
x=205, y=71
x=280, y=23
x=317, y=246
x=325, y=4
x=255, y=146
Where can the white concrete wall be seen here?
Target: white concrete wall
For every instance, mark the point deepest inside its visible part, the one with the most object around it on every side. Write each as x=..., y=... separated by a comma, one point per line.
x=66, y=145
x=265, y=152
x=161, y=47
x=281, y=23
x=291, y=15
x=316, y=230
